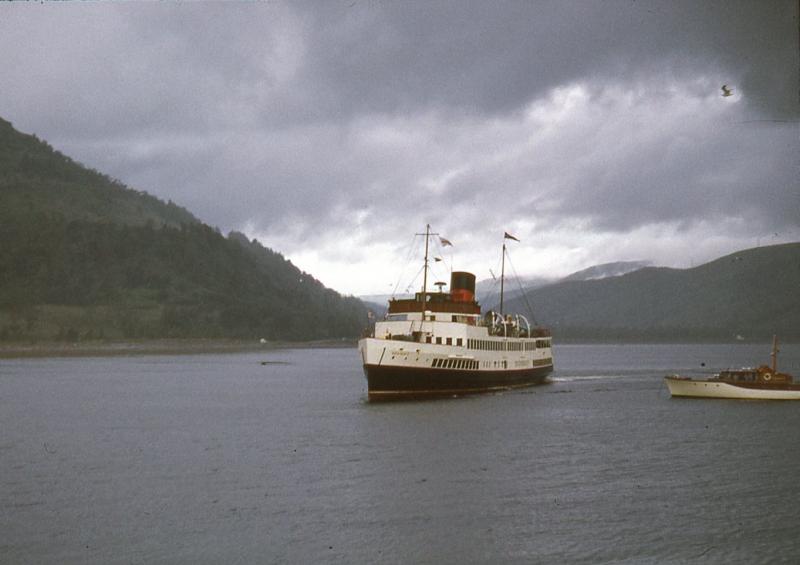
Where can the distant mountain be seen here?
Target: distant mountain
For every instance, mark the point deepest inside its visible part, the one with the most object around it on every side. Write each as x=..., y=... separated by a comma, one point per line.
x=488, y=290
x=753, y=293
x=84, y=257
x=607, y=270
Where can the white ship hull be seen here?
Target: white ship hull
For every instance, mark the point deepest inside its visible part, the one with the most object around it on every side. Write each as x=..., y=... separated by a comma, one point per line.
x=406, y=369
x=712, y=389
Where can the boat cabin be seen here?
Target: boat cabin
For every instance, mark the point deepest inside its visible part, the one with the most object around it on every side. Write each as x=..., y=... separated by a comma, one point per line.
x=762, y=375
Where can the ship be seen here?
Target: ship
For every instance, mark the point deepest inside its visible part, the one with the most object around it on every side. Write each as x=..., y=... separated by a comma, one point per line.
x=759, y=383
x=440, y=344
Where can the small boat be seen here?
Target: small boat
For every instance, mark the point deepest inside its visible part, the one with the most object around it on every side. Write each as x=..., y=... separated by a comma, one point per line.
x=760, y=383
x=439, y=344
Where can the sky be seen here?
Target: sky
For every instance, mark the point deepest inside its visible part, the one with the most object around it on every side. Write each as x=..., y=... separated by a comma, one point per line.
x=333, y=132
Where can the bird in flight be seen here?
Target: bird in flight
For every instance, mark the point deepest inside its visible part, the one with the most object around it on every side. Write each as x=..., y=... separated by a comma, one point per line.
x=726, y=91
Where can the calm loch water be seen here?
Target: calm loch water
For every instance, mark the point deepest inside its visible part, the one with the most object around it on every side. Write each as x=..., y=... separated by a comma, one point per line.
x=209, y=459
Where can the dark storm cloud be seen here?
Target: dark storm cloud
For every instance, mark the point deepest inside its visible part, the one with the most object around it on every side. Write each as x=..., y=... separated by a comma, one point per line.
x=495, y=57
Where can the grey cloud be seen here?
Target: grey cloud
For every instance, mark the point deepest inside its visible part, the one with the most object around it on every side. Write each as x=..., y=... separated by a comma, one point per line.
x=495, y=57
x=290, y=116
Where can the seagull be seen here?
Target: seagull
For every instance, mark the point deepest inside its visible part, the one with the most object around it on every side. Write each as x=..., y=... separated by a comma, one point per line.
x=726, y=91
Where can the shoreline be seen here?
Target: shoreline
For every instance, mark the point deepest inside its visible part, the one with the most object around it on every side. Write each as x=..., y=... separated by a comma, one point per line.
x=209, y=346
x=128, y=348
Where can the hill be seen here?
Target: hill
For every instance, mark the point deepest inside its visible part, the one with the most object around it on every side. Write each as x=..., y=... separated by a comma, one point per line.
x=488, y=290
x=752, y=293
x=37, y=179
x=84, y=257
x=606, y=270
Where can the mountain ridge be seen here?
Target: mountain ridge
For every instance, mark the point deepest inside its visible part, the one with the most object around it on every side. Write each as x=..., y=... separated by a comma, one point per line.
x=751, y=293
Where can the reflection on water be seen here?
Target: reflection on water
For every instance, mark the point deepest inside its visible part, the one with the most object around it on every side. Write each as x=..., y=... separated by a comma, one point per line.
x=210, y=458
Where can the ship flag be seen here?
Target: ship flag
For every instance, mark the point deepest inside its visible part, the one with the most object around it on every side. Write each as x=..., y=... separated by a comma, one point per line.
x=507, y=235
x=445, y=242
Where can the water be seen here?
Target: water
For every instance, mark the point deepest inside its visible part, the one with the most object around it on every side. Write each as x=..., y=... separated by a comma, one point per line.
x=209, y=459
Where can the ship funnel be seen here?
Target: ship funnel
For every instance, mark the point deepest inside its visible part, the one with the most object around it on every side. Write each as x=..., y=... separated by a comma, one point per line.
x=462, y=286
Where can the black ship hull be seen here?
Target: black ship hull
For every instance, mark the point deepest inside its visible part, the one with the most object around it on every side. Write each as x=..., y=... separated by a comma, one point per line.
x=398, y=383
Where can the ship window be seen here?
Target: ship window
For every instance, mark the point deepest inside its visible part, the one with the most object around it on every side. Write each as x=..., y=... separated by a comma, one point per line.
x=439, y=340
x=428, y=339
x=459, y=342
x=449, y=341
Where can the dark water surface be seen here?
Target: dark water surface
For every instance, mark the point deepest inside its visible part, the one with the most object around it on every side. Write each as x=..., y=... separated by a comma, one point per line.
x=220, y=459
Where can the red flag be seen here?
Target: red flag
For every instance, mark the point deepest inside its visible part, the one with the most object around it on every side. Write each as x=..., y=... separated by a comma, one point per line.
x=507, y=235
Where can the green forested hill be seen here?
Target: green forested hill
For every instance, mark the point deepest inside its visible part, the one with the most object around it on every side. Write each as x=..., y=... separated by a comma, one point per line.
x=753, y=293
x=84, y=257
x=36, y=179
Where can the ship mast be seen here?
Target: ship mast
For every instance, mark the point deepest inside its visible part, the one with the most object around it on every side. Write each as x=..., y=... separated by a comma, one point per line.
x=506, y=236
x=425, y=271
x=502, y=276
x=774, y=354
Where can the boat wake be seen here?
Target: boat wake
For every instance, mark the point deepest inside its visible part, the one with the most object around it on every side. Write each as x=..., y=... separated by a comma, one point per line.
x=573, y=378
